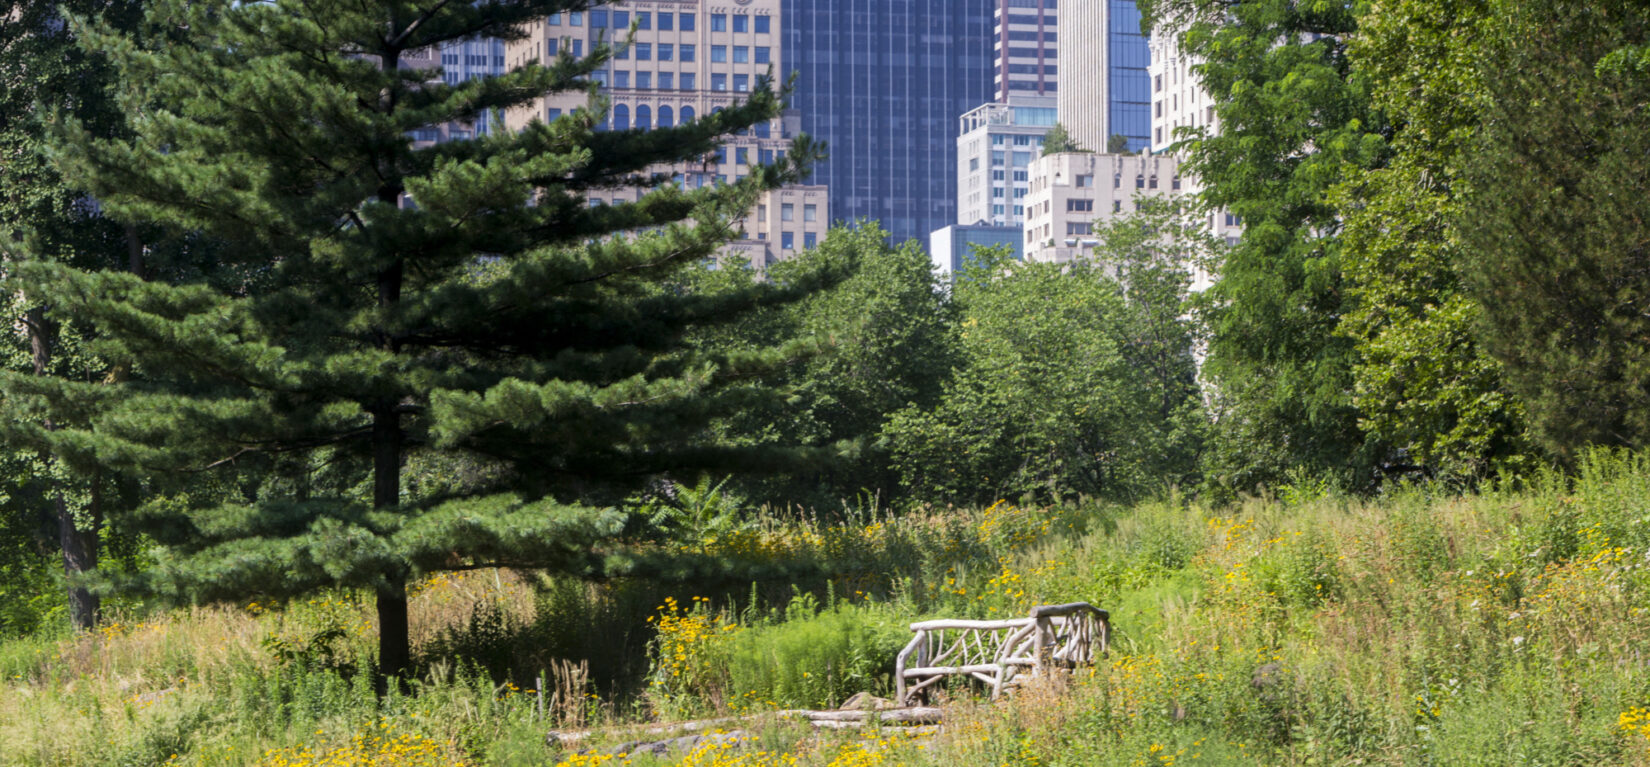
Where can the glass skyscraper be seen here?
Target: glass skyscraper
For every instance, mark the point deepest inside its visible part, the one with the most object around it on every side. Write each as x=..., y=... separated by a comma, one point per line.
x=882, y=82
x=1105, y=90
x=1128, y=56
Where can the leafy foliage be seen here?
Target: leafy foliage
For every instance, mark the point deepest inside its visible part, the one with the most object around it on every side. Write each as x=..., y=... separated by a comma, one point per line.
x=1068, y=383
x=1423, y=381
x=1295, y=118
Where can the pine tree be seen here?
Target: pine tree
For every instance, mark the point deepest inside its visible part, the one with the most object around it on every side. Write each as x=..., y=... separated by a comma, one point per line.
x=40, y=65
x=452, y=316
x=1555, y=225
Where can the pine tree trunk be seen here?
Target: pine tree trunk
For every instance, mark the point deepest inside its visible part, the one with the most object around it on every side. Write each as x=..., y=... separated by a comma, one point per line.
x=79, y=545
x=394, y=652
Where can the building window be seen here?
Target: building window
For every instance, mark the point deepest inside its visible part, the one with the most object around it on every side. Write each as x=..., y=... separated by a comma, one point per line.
x=742, y=83
x=809, y=239
x=1139, y=182
x=1085, y=180
x=1022, y=141
x=1174, y=184
x=667, y=81
x=810, y=213
x=644, y=80
x=718, y=22
x=667, y=52
x=689, y=80
x=718, y=82
x=1073, y=227
x=598, y=19
x=621, y=52
x=973, y=163
x=551, y=47
x=621, y=79
x=742, y=155
x=721, y=155
x=741, y=22
x=1022, y=158
x=687, y=112
x=644, y=51
x=1019, y=210
x=644, y=20
x=689, y=52
x=718, y=53
x=1117, y=206
x=1117, y=181
x=787, y=212
x=1159, y=83
x=644, y=117
x=621, y=117
x=578, y=49
x=762, y=25
x=667, y=21
x=599, y=77
x=998, y=157
x=762, y=51
x=1152, y=184
x=787, y=240
x=1159, y=134
x=998, y=192
x=741, y=54
x=1077, y=205
x=687, y=21
x=553, y=114
x=996, y=210
x=997, y=175
x=555, y=19
x=1021, y=175
x=576, y=18
x=666, y=119
x=761, y=214
x=766, y=156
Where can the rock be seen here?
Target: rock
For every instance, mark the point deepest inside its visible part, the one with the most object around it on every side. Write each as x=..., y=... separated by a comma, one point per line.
x=677, y=746
x=864, y=701
x=1267, y=676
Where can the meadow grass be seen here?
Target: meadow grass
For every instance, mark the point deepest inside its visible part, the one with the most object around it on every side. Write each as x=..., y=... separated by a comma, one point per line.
x=1507, y=626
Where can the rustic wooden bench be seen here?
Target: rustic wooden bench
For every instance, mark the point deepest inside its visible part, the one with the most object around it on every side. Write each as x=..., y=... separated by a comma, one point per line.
x=999, y=653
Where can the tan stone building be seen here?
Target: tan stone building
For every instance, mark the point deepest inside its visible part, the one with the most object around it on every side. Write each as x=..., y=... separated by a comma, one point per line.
x=688, y=58
x=1072, y=191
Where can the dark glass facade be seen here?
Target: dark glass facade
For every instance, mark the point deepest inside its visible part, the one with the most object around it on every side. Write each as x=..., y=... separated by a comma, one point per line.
x=883, y=82
x=1131, y=93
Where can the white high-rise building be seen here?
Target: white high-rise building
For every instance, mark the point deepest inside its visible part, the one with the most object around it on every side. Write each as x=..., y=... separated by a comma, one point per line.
x=1179, y=101
x=996, y=144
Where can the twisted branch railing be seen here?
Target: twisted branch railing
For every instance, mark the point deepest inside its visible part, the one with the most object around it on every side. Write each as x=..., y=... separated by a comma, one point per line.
x=998, y=653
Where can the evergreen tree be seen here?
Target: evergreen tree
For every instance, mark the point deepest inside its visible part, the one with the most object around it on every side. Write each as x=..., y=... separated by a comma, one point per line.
x=1556, y=244
x=455, y=310
x=41, y=66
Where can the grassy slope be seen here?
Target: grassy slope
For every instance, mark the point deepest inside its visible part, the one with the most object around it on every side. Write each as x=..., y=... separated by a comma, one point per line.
x=1498, y=628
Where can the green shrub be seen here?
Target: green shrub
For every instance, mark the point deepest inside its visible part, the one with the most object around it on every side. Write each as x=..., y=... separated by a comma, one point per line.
x=812, y=658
